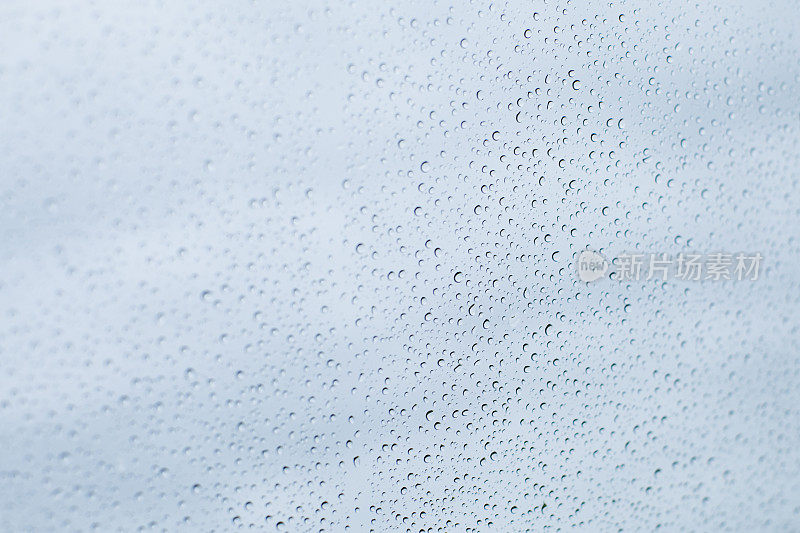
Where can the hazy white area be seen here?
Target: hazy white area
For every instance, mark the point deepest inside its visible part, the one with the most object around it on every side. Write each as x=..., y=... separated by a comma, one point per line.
x=306, y=266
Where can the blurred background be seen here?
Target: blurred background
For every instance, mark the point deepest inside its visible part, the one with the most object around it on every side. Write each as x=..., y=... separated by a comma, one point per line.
x=310, y=266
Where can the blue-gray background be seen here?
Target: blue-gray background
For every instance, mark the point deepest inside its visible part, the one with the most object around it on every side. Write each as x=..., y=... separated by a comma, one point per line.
x=309, y=266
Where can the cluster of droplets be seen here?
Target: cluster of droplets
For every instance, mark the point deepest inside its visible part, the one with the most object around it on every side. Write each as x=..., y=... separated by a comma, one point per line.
x=312, y=267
